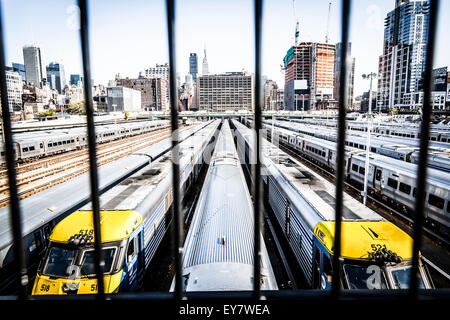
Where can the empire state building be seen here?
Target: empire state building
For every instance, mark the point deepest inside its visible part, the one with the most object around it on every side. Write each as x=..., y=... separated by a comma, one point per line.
x=205, y=69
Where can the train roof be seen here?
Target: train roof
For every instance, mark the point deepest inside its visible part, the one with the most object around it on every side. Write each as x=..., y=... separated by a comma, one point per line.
x=361, y=238
x=318, y=192
x=219, y=246
x=224, y=215
x=114, y=225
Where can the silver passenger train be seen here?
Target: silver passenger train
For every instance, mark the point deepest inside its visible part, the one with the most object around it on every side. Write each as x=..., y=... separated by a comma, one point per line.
x=390, y=180
x=218, y=252
x=404, y=130
x=303, y=204
x=29, y=146
x=406, y=149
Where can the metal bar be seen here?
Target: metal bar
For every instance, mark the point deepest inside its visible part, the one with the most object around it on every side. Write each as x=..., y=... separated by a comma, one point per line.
x=257, y=201
x=14, y=207
x=98, y=257
x=178, y=219
x=423, y=154
x=340, y=170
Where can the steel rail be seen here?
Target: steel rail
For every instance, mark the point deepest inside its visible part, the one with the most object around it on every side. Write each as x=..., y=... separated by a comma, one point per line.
x=178, y=219
x=15, y=212
x=423, y=153
x=340, y=168
x=93, y=173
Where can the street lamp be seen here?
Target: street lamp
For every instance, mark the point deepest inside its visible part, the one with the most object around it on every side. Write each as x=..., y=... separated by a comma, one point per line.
x=369, y=76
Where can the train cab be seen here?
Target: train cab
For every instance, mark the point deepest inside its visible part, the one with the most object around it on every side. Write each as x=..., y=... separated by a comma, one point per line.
x=376, y=255
x=68, y=266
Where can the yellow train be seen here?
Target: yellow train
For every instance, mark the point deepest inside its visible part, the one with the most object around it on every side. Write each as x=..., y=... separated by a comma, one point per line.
x=134, y=216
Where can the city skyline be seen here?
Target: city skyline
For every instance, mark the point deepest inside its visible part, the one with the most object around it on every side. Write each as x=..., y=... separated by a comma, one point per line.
x=141, y=42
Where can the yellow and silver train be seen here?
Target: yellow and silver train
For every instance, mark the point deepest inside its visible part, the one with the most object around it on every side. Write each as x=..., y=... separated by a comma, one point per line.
x=376, y=254
x=134, y=216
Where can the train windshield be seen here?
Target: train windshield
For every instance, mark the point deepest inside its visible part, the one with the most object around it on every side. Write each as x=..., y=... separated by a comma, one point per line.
x=65, y=261
x=59, y=260
x=364, y=277
x=88, y=262
x=401, y=277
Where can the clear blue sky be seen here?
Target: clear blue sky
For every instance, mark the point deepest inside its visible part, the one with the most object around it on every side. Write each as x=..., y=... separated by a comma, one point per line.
x=128, y=36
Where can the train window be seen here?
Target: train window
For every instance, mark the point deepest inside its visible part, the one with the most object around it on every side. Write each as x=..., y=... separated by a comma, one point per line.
x=448, y=206
x=405, y=188
x=49, y=145
x=392, y=183
x=32, y=148
x=64, y=142
x=131, y=251
x=36, y=242
x=41, y=145
x=362, y=170
x=88, y=264
x=436, y=201
x=372, y=149
x=414, y=192
x=355, y=167
x=24, y=149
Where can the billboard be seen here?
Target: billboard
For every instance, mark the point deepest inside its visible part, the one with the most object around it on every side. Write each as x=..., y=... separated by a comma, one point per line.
x=301, y=87
x=440, y=79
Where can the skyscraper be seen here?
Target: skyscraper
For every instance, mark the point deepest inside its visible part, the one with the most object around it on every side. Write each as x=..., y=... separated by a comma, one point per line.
x=56, y=76
x=205, y=68
x=74, y=78
x=20, y=68
x=402, y=62
x=337, y=71
x=193, y=66
x=224, y=92
x=309, y=74
x=34, y=65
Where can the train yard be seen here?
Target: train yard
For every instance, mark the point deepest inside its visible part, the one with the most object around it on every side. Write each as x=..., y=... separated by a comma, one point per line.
x=217, y=209
x=38, y=174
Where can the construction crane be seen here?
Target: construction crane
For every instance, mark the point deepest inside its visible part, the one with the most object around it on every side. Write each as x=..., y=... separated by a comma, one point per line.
x=328, y=23
x=296, y=24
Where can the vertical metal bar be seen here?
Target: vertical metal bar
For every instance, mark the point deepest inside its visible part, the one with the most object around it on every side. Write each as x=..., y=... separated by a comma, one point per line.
x=84, y=33
x=14, y=207
x=257, y=201
x=178, y=219
x=423, y=155
x=340, y=169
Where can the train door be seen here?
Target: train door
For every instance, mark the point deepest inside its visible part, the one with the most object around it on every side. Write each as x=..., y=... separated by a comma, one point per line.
x=377, y=178
x=141, y=256
x=316, y=268
x=131, y=268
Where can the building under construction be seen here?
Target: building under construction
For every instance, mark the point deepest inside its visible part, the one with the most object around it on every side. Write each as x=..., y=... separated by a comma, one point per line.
x=309, y=73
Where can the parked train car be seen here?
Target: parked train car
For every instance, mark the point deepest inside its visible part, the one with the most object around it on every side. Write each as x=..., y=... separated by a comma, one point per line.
x=218, y=251
x=405, y=149
x=134, y=215
x=30, y=146
x=323, y=153
x=376, y=254
x=394, y=182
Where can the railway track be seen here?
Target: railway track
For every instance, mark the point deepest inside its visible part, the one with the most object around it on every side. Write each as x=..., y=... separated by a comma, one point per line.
x=46, y=173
